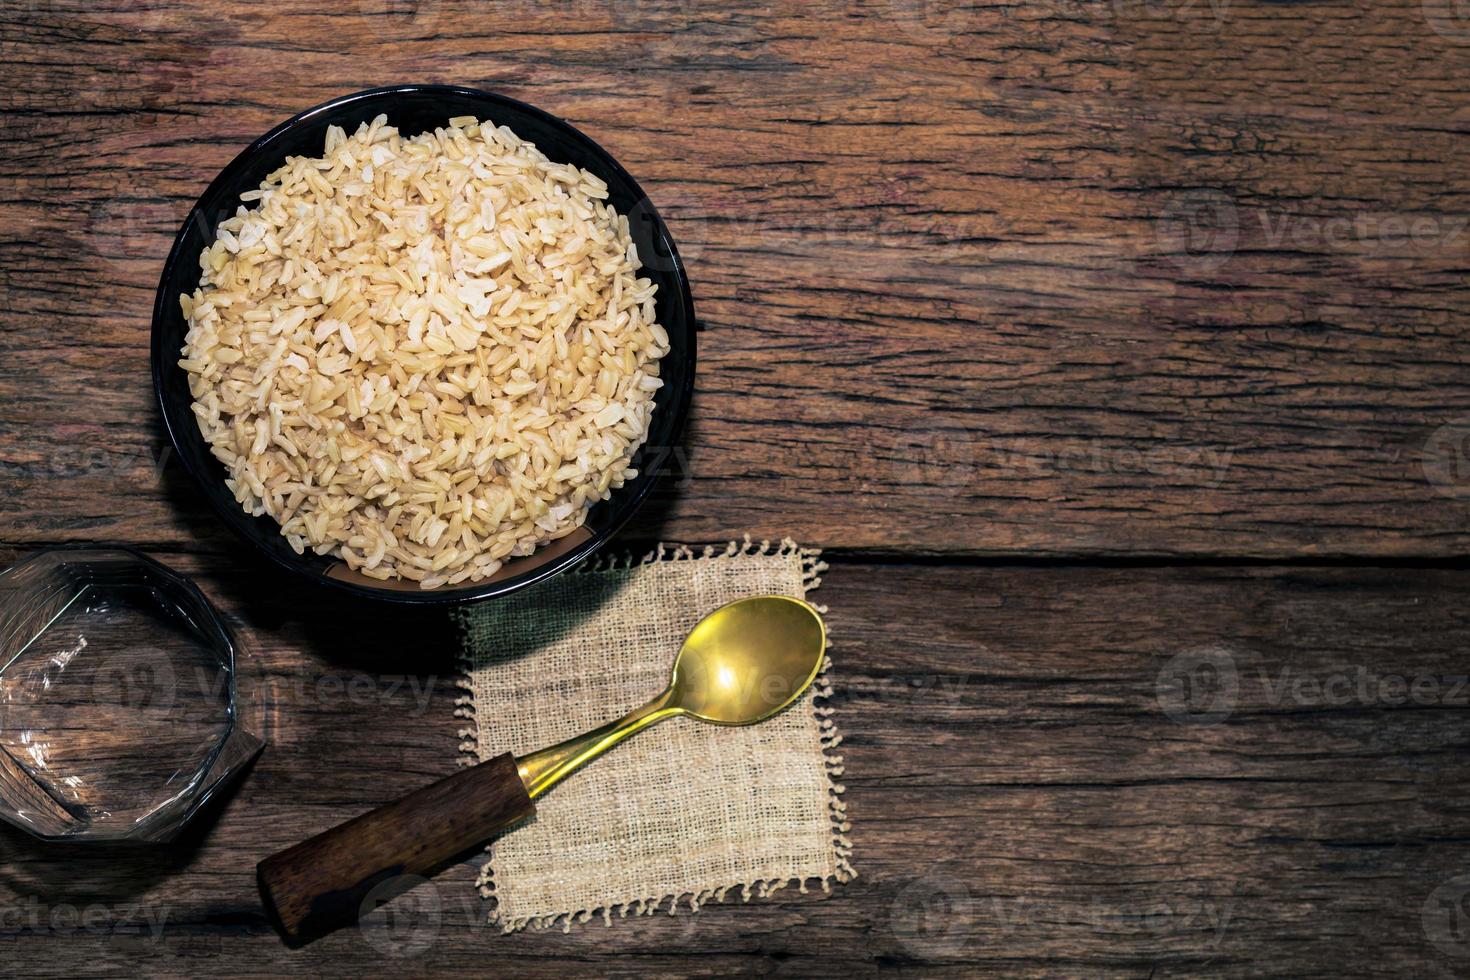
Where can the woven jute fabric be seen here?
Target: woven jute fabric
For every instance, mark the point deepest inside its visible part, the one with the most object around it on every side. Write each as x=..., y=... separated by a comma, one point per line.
x=685, y=810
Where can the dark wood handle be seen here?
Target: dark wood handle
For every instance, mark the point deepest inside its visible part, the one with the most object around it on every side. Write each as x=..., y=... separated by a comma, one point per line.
x=320, y=884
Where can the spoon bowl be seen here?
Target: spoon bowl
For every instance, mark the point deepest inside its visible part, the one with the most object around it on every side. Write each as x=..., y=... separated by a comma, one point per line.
x=739, y=665
x=748, y=660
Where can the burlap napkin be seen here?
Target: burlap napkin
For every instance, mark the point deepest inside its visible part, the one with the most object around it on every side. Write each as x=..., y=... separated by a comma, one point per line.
x=684, y=810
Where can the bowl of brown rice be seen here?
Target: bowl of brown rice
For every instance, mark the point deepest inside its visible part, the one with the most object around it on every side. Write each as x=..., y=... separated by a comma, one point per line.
x=425, y=344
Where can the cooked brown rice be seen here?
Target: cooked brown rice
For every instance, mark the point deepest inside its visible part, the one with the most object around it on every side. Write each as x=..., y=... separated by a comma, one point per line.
x=424, y=355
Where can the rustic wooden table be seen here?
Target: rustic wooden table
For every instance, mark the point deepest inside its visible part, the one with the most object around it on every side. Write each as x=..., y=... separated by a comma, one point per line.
x=1108, y=347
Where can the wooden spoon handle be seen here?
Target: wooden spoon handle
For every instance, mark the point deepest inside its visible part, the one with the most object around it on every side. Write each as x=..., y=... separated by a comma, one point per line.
x=321, y=883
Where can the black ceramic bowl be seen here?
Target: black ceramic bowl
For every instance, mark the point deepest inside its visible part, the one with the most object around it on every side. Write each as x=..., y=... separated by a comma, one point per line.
x=414, y=109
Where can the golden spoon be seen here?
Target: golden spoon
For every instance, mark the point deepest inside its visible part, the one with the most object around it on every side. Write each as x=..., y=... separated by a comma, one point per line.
x=740, y=665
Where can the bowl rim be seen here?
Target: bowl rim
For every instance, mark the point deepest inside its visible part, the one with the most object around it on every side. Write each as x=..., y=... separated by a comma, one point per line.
x=236, y=518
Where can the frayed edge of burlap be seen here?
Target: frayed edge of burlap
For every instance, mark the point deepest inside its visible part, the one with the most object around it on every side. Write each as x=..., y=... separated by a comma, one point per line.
x=812, y=568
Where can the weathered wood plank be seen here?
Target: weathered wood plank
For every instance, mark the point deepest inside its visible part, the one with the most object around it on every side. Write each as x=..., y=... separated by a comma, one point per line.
x=1029, y=793
x=1062, y=278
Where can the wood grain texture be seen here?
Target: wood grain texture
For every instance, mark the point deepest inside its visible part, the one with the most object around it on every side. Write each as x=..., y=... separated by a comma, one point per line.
x=330, y=880
x=1030, y=794
x=1142, y=279
x=1165, y=278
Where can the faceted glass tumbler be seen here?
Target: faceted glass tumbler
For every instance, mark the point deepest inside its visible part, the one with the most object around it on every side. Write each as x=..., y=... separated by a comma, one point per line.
x=117, y=697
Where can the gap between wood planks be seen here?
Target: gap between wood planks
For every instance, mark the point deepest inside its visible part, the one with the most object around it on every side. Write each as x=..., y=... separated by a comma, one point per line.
x=14, y=550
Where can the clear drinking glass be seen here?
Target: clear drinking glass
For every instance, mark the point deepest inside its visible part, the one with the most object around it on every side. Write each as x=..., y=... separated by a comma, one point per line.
x=118, y=711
